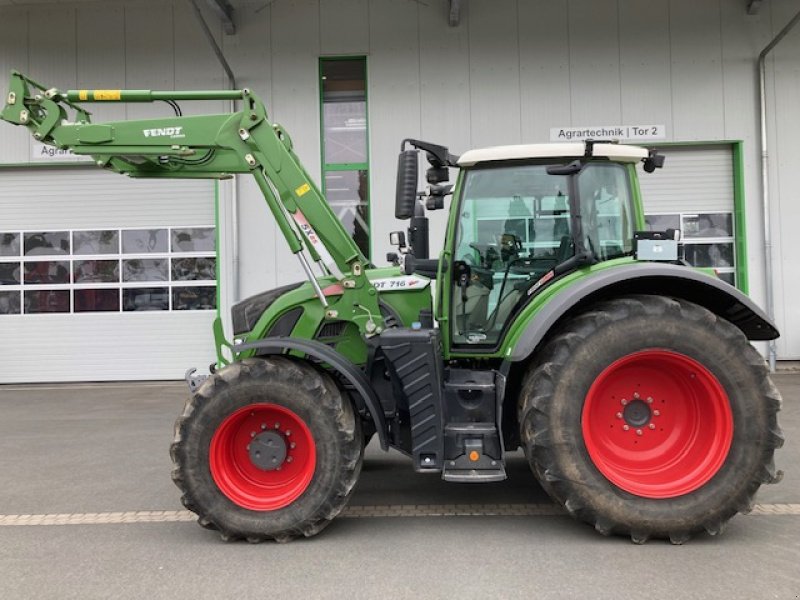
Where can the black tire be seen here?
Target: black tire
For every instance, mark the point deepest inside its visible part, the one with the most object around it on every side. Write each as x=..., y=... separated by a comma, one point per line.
x=554, y=392
x=310, y=395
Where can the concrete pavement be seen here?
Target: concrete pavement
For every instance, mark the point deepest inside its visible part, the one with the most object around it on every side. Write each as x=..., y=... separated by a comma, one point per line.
x=83, y=449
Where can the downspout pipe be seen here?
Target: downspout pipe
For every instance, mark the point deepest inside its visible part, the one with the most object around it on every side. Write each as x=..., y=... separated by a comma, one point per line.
x=234, y=183
x=762, y=76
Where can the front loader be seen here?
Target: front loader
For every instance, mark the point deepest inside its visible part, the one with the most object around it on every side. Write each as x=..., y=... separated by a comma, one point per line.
x=559, y=326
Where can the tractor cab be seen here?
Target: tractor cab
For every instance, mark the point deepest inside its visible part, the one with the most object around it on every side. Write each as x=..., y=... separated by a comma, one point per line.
x=525, y=214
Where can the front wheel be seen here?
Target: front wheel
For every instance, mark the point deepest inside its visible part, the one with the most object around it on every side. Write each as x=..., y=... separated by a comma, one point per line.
x=651, y=417
x=267, y=449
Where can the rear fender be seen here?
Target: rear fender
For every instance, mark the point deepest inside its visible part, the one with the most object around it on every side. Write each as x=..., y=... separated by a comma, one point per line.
x=661, y=279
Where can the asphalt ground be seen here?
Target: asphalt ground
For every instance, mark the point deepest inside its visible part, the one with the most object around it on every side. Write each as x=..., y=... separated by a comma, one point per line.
x=88, y=510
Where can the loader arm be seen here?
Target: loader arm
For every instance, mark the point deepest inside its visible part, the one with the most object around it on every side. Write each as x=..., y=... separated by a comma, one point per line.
x=208, y=146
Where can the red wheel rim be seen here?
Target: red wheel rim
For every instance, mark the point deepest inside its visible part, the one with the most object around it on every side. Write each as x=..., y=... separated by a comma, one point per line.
x=657, y=424
x=241, y=479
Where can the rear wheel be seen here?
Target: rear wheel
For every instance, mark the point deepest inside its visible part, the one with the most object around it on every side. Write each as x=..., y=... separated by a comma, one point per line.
x=267, y=449
x=651, y=417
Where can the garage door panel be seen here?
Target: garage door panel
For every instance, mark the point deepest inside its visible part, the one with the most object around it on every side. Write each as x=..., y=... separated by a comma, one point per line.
x=86, y=198
x=87, y=347
x=115, y=277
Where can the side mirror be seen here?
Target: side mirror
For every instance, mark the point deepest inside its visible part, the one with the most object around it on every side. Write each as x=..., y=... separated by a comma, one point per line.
x=406, y=195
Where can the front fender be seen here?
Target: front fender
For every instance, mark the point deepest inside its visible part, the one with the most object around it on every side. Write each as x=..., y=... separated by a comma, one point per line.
x=339, y=363
x=661, y=279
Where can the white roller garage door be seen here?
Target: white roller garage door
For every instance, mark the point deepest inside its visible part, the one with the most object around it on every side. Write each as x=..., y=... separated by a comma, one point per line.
x=694, y=192
x=104, y=277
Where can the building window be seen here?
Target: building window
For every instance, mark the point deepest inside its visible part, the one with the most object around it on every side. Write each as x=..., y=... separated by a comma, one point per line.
x=108, y=270
x=345, y=145
x=708, y=239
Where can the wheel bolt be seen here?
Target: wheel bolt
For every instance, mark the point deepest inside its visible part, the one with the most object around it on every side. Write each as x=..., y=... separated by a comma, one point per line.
x=657, y=413
x=248, y=446
x=289, y=459
x=288, y=432
x=263, y=426
x=292, y=445
x=638, y=432
x=623, y=402
x=252, y=434
x=635, y=395
x=649, y=400
x=277, y=425
x=619, y=415
x=651, y=426
x=626, y=427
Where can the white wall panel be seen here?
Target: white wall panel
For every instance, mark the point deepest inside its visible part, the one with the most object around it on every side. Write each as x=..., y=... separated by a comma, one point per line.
x=743, y=37
x=594, y=62
x=509, y=72
x=52, y=46
x=444, y=95
x=697, y=90
x=150, y=60
x=344, y=27
x=644, y=55
x=785, y=197
x=394, y=107
x=250, y=57
x=100, y=56
x=196, y=65
x=294, y=38
x=15, y=142
x=494, y=73
x=544, y=68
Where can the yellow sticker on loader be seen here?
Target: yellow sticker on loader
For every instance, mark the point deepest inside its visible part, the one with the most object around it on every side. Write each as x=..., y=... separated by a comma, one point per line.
x=302, y=190
x=107, y=94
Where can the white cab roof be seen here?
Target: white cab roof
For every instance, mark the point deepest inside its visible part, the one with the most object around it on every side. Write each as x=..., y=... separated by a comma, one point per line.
x=616, y=152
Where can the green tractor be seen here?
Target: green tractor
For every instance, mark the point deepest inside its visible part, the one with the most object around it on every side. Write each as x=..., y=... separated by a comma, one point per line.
x=557, y=324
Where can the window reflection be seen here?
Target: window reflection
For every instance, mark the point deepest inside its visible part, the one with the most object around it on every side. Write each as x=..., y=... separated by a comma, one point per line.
x=138, y=299
x=194, y=298
x=144, y=269
x=192, y=269
x=9, y=273
x=95, y=242
x=9, y=303
x=142, y=241
x=9, y=244
x=101, y=300
x=95, y=271
x=46, y=242
x=347, y=193
x=46, y=301
x=199, y=239
x=47, y=271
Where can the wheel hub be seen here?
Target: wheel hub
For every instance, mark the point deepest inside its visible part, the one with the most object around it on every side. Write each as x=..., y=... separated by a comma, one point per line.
x=262, y=456
x=267, y=450
x=657, y=423
x=637, y=413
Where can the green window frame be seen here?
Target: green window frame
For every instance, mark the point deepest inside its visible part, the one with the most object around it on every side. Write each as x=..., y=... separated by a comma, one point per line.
x=345, y=170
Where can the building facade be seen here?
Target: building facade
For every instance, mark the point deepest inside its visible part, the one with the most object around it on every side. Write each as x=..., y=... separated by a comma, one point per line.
x=105, y=278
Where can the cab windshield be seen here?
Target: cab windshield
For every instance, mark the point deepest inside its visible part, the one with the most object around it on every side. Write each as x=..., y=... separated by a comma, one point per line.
x=515, y=226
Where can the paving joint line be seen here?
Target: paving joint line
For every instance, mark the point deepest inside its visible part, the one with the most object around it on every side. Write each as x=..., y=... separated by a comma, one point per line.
x=352, y=512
